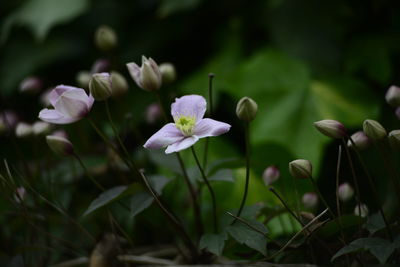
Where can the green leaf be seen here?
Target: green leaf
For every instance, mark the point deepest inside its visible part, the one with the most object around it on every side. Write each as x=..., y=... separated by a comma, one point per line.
x=106, y=198
x=41, y=15
x=347, y=222
x=245, y=235
x=222, y=175
x=158, y=182
x=170, y=7
x=140, y=202
x=213, y=243
x=374, y=223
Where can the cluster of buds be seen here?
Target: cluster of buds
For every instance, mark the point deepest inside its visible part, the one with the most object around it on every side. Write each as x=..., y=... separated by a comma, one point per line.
x=24, y=129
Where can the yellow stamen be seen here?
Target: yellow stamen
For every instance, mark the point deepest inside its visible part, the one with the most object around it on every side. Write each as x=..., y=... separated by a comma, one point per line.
x=186, y=124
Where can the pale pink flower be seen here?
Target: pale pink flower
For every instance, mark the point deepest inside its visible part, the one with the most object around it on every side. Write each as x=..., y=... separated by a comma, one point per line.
x=70, y=105
x=148, y=76
x=188, y=112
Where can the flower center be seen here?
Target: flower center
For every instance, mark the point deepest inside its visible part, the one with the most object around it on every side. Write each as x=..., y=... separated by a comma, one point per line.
x=186, y=124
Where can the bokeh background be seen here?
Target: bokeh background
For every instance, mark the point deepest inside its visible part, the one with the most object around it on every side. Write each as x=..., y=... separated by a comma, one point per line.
x=302, y=61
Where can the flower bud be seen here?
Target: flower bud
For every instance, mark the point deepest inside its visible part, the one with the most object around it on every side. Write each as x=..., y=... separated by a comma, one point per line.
x=119, y=84
x=168, y=72
x=360, y=139
x=83, y=78
x=397, y=112
x=374, y=130
x=8, y=120
x=331, y=128
x=148, y=76
x=393, y=96
x=100, y=65
x=105, y=38
x=40, y=127
x=23, y=129
x=270, y=175
x=300, y=168
x=310, y=200
x=60, y=145
x=153, y=113
x=100, y=86
x=30, y=85
x=394, y=139
x=345, y=192
x=246, y=109
x=19, y=194
x=361, y=211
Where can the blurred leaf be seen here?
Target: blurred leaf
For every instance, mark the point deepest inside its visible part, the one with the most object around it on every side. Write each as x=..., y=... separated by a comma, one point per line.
x=105, y=198
x=213, y=243
x=169, y=7
x=17, y=261
x=222, y=175
x=158, y=182
x=374, y=223
x=380, y=248
x=332, y=228
x=244, y=235
x=140, y=202
x=41, y=15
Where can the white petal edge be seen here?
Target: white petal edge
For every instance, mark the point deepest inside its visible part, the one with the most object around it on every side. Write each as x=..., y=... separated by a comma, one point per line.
x=181, y=145
x=167, y=135
x=209, y=127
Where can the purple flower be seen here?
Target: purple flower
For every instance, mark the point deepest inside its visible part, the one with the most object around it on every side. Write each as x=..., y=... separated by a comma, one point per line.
x=148, y=76
x=70, y=105
x=189, y=126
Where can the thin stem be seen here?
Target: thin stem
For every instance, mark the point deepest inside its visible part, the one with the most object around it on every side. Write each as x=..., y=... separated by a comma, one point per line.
x=210, y=102
x=196, y=207
x=99, y=186
x=321, y=196
x=246, y=186
x=337, y=181
x=213, y=199
x=285, y=205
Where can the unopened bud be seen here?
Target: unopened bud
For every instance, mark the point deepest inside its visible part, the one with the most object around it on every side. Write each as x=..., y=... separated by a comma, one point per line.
x=360, y=139
x=270, y=175
x=168, y=72
x=119, y=84
x=246, y=109
x=300, y=168
x=100, y=65
x=105, y=38
x=345, y=192
x=40, y=127
x=374, y=130
x=310, y=200
x=30, y=85
x=397, y=112
x=394, y=139
x=361, y=210
x=148, y=76
x=23, y=129
x=331, y=128
x=60, y=133
x=153, y=113
x=8, y=120
x=393, y=96
x=83, y=78
x=100, y=86
x=19, y=194
x=60, y=145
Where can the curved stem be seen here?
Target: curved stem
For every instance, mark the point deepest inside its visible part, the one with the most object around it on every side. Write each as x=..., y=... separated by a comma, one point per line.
x=246, y=186
x=213, y=199
x=99, y=186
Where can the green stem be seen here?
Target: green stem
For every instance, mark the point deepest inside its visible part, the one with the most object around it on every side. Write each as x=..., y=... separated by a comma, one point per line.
x=99, y=186
x=286, y=206
x=210, y=102
x=213, y=199
x=246, y=186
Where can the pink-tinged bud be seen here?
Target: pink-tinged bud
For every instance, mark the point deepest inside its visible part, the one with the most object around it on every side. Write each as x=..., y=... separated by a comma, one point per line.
x=397, y=112
x=394, y=139
x=331, y=128
x=345, y=192
x=100, y=65
x=310, y=200
x=374, y=130
x=361, y=211
x=270, y=175
x=70, y=105
x=30, y=85
x=393, y=96
x=100, y=86
x=360, y=139
x=40, y=127
x=19, y=194
x=23, y=129
x=148, y=76
x=300, y=169
x=8, y=120
x=83, y=78
x=60, y=145
x=119, y=84
x=153, y=113
x=105, y=38
x=60, y=133
x=246, y=109
x=168, y=72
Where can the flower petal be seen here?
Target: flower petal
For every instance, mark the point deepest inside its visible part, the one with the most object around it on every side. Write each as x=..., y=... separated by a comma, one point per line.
x=210, y=127
x=73, y=103
x=53, y=116
x=134, y=71
x=189, y=105
x=58, y=91
x=181, y=145
x=167, y=135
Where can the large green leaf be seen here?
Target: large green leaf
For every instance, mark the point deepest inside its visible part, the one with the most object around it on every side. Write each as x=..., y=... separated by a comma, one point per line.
x=105, y=198
x=140, y=202
x=41, y=15
x=213, y=243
